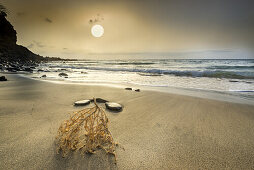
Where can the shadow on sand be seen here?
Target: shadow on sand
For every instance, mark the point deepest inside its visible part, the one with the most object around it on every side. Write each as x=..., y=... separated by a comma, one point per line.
x=75, y=160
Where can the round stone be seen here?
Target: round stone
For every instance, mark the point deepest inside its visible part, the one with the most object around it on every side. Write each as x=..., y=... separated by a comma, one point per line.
x=113, y=106
x=82, y=103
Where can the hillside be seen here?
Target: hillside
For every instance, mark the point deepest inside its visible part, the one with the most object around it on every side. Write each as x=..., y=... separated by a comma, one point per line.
x=9, y=50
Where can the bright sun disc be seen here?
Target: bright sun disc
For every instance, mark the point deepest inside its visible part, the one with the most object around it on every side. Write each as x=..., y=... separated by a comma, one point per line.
x=97, y=30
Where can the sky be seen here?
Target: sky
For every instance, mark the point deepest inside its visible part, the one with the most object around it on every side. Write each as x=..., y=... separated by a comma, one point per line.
x=135, y=28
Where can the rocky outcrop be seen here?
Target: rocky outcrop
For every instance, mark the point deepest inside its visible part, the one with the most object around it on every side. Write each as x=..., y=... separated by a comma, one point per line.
x=9, y=50
x=15, y=57
x=7, y=32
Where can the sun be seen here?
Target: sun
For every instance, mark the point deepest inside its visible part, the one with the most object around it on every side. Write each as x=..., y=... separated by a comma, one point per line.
x=97, y=30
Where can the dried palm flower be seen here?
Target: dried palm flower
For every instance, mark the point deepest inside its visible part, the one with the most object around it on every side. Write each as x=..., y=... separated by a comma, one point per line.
x=86, y=130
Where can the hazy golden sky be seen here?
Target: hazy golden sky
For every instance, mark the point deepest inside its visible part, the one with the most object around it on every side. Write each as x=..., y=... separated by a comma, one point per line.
x=135, y=28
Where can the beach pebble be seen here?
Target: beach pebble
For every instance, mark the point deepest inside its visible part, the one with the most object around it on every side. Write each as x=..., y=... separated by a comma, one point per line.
x=128, y=88
x=82, y=103
x=3, y=78
x=113, y=106
x=62, y=74
x=44, y=75
x=99, y=100
x=137, y=90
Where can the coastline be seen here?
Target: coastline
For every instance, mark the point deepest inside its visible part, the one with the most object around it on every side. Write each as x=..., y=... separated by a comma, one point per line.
x=158, y=130
x=199, y=93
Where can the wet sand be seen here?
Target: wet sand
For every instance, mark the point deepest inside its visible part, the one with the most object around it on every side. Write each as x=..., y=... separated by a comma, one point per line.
x=157, y=130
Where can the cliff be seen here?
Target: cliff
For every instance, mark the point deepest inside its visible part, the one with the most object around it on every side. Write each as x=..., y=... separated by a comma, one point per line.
x=9, y=50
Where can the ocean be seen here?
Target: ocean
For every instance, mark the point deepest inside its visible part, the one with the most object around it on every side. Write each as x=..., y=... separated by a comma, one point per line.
x=228, y=76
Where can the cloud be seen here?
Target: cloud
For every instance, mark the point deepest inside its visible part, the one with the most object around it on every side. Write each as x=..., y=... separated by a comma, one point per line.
x=97, y=18
x=48, y=20
x=39, y=44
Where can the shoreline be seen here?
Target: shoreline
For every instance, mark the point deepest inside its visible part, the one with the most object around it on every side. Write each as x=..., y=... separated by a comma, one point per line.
x=157, y=130
x=225, y=96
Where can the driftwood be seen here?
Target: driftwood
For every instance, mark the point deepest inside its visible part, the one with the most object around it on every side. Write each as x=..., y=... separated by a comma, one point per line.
x=86, y=130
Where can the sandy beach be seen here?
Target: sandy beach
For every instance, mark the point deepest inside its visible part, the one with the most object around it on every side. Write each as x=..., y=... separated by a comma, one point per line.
x=157, y=130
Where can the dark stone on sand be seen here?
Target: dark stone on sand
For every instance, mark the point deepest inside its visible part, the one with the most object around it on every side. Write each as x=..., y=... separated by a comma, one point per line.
x=137, y=90
x=62, y=74
x=99, y=100
x=233, y=81
x=128, y=88
x=40, y=70
x=82, y=102
x=3, y=78
x=113, y=106
x=44, y=75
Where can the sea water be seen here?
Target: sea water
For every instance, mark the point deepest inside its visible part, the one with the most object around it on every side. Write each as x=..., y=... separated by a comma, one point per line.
x=229, y=76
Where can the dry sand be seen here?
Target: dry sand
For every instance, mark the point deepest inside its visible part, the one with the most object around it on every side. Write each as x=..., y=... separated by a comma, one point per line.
x=157, y=130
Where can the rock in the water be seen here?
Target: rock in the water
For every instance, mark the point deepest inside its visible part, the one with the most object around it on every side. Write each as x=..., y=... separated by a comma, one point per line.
x=3, y=78
x=44, y=75
x=128, y=88
x=113, y=106
x=82, y=103
x=137, y=90
x=62, y=74
x=11, y=69
x=233, y=81
x=99, y=100
x=28, y=69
